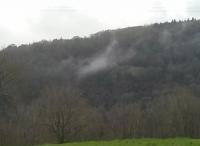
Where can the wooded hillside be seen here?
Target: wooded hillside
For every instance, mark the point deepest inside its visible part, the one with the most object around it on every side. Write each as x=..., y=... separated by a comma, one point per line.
x=134, y=82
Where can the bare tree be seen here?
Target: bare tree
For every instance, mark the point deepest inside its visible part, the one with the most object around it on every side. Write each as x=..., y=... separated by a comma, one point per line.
x=62, y=111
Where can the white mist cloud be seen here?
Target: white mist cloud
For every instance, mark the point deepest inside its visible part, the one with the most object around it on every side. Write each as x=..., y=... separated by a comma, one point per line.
x=100, y=62
x=107, y=59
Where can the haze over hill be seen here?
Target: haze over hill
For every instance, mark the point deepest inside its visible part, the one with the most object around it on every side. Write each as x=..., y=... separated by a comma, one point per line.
x=134, y=82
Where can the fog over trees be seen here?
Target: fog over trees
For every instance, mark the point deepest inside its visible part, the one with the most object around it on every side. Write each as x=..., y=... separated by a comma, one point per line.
x=127, y=83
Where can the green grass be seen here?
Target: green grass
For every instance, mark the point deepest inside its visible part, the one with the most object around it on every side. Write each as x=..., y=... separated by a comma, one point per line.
x=136, y=142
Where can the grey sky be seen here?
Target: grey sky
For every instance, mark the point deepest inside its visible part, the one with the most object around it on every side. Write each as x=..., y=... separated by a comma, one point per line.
x=26, y=21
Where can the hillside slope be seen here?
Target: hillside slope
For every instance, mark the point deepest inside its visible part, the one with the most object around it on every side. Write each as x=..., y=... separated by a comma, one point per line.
x=132, y=82
x=126, y=64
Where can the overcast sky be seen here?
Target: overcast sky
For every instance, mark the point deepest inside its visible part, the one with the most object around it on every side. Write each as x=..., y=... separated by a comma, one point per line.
x=26, y=21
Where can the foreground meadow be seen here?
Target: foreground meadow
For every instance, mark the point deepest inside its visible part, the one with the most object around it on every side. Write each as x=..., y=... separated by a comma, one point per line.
x=135, y=142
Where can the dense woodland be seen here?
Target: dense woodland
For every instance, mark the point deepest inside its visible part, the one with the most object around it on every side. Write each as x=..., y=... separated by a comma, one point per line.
x=134, y=82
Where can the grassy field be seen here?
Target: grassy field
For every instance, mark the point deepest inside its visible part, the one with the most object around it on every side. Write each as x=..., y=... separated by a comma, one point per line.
x=136, y=142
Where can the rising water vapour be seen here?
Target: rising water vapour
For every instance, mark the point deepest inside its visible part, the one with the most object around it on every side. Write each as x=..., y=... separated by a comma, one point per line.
x=109, y=58
x=99, y=62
